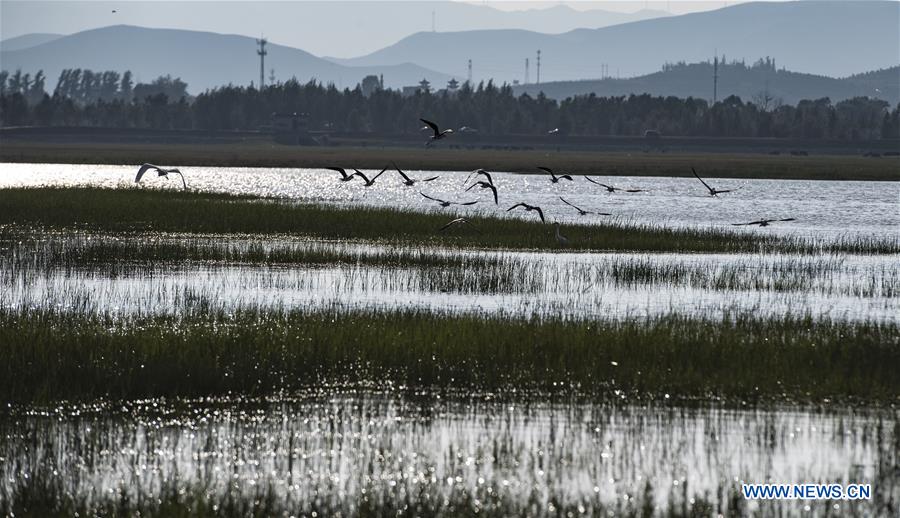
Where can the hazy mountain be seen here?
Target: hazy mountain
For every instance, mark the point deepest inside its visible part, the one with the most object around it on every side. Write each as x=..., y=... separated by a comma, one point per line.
x=27, y=40
x=202, y=59
x=826, y=38
x=750, y=83
x=345, y=29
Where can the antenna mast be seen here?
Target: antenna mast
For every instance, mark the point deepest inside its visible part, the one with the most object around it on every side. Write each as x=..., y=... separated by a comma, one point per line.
x=526, y=71
x=538, y=67
x=716, y=78
x=262, y=61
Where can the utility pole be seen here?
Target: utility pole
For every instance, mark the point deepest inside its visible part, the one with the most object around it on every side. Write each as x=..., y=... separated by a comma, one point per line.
x=262, y=61
x=526, y=71
x=539, y=67
x=716, y=78
x=470, y=72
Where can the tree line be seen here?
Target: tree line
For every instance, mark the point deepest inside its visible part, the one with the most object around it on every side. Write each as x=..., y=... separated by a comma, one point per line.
x=103, y=100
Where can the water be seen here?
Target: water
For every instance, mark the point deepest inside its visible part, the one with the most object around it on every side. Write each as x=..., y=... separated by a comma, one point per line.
x=823, y=209
x=518, y=284
x=346, y=448
x=338, y=450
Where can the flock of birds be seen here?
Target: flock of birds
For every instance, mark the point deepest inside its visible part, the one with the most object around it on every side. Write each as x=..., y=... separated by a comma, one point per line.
x=483, y=181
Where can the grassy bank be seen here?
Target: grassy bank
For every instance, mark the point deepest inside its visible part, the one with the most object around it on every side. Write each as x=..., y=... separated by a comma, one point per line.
x=128, y=210
x=265, y=154
x=52, y=355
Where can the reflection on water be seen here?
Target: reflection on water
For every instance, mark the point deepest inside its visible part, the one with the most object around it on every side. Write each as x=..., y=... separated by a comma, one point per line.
x=349, y=449
x=823, y=209
x=606, y=285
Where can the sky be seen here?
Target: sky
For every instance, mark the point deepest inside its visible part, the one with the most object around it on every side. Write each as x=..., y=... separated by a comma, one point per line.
x=336, y=29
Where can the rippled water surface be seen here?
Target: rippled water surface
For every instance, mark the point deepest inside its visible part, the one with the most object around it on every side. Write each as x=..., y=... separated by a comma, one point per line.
x=823, y=209
x=346, y=450
x=582, y=285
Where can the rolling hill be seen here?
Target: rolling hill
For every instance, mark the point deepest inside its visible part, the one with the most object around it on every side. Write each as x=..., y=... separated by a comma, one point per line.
x=28, y=40
x=202, y=59
x=747, y=82
x=825, y=38
x=323, y=27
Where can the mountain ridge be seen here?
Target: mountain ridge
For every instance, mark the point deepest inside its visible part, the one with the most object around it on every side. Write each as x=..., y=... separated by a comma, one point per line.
x=202, y=59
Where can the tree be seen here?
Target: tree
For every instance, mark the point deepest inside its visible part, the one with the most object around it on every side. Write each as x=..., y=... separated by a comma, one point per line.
x=126, y=87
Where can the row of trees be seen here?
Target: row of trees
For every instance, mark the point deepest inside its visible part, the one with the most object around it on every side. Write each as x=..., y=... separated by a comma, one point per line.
x=487, y=108
x=85, y=87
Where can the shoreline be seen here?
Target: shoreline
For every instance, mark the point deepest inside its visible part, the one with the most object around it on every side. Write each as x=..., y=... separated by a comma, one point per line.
x=258, y=153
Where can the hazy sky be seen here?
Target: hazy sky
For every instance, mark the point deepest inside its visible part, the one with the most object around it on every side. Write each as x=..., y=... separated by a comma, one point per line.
x=339, y=29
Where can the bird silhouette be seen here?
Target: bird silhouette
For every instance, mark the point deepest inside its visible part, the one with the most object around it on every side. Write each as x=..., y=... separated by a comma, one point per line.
x=412, y=181
x=438, y=134
x=459, y=221
x=610, y=188
x=485, y=185
x=480, y=172
x=712, y=192
x=529, y=208
x=445, y=203
x=582, y=212
x=344, y=176
x=554, y=178
x=161, y=171
x=366, y=180
x=561, y=239
x=763, y=222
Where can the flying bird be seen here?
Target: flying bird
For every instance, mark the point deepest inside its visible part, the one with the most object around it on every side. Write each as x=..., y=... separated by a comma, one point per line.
x=610, y=188
x=485, y=185
x=561, y=239
x=438, y=134
x=582, y=212
x=529, y=208
x=553, y=177
x=763, y=222
x=367, y=182
x=410, y=181
x=480, y=172
x=161, y=171
x=444, y=203
x=344, y=176
x=712, y=192
x=458, y=221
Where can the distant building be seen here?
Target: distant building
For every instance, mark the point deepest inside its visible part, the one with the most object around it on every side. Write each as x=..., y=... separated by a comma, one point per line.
x=423, y=86
x=452, y=85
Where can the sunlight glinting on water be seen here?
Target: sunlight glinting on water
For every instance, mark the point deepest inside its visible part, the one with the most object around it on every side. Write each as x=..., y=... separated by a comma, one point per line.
x=318, y=450
x=823, y=209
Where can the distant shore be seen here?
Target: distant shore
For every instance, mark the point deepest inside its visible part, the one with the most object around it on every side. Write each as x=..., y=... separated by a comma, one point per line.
x=259, y=153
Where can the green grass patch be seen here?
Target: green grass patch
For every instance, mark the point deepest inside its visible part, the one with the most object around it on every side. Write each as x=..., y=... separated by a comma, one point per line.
x=128, y=210
x=51, y=355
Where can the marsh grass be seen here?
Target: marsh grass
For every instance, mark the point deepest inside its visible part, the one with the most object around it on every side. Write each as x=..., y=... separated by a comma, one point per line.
x=438, y=269
x=50, y=355
x=129, y=210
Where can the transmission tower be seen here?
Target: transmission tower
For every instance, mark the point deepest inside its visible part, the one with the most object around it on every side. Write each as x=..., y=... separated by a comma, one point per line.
x=526, y=72
x=262, y=61
x=715, y=78
x=539, y=67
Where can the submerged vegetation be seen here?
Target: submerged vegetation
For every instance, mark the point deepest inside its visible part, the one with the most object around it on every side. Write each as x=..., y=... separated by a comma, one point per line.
x=51, y=355
x=128, y=210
